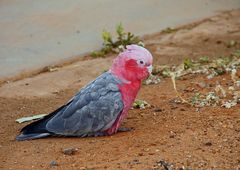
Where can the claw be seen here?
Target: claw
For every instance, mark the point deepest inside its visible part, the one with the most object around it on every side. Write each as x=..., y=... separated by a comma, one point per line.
x=124, y=129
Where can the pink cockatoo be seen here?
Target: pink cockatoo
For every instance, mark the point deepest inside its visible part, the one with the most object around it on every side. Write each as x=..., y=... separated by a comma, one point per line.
x=99, y=108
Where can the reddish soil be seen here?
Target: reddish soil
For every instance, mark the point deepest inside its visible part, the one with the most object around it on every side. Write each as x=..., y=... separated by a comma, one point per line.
x=208, y=138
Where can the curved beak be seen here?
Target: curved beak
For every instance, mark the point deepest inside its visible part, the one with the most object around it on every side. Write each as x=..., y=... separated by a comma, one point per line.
x=150, y=68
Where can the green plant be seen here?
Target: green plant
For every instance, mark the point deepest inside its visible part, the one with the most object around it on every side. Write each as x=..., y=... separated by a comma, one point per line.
x=195, y=98
x=169, y=30
x=123, y=39
x=140, y=104
x=236, y=53
x=188, y=63
x=223, y=61
x=204, y=59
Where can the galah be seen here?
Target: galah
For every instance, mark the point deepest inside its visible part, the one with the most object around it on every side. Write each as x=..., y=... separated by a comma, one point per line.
x=98, y=108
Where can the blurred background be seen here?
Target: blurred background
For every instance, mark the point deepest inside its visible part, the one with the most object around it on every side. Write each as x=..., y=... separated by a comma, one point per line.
x=34, y=34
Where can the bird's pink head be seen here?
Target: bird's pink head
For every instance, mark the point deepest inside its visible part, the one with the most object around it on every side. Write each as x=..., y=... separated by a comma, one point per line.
x=133, y=64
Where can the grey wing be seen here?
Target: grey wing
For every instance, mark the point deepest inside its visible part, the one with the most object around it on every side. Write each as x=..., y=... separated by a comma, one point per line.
x=94, y=109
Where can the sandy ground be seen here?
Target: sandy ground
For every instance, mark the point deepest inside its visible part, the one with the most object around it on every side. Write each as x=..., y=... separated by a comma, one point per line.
x=205, y=139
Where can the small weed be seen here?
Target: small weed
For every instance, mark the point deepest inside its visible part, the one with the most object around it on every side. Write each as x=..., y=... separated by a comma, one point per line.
x=152, y=79
x=223, y=61
x=123, y=39
x=204, y=59
x=140, y=104
x=188, y=63
x=195, y=99
x=236, y=53
x=163, y=71
x=219, y=96
x=220, y=71
x=169, y=30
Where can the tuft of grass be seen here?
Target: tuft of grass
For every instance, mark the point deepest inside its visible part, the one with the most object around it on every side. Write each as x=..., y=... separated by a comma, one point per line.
x=169, y=30
x=188, y=63
x=195, y=98
x=226, y=95
x=223, y=61
x=112, y=46
x=140, y=104
x=236, y=53
x=204, y=59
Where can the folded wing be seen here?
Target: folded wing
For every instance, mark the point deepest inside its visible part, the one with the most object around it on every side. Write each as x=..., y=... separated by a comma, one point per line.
x=94, y=109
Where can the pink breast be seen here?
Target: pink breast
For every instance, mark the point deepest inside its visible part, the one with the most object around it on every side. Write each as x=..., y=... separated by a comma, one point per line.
x=129, y=93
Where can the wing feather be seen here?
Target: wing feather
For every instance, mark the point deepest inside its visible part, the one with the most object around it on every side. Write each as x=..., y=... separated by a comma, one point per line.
x=93, y=109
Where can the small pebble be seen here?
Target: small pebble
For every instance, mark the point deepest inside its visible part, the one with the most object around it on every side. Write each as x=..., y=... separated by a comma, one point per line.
x=158, y=110
x=69, y=151
x=202, y=84
x=136, y=161
x=208, y=143
x=182, y=109
x=53, y=164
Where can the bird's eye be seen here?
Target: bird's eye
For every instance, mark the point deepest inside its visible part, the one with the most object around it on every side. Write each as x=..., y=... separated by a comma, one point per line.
x=141, y=62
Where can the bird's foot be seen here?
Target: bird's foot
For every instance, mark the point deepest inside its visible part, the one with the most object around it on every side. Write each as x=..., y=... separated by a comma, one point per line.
x=124, y=129
x=96, y=134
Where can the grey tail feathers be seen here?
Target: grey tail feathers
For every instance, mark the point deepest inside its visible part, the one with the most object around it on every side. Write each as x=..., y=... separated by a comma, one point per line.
x=38, y=129
x=22, y=137
x=34, y=130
